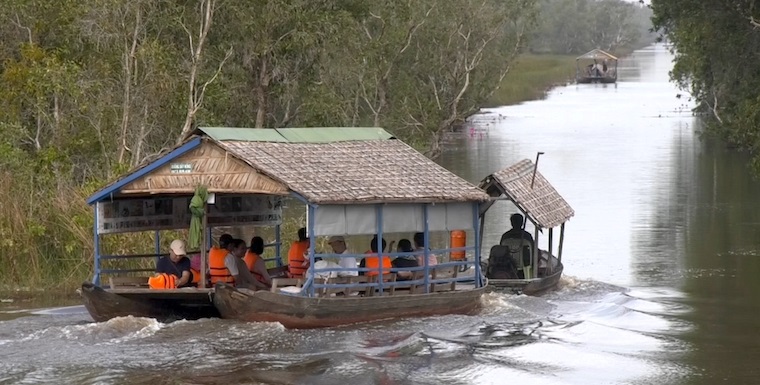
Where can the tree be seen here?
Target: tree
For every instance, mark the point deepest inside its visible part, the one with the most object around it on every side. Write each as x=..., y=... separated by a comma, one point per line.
x=715, y=45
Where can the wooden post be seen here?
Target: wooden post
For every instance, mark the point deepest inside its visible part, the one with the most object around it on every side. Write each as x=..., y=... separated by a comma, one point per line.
x=480, y=236
x=535, y=253
x=203, y=243
x=561, y=238
x=551, y=249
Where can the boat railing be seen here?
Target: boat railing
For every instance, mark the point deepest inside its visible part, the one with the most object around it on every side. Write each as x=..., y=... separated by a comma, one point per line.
x=134, y=260
x=313, y=284
x=156, y=256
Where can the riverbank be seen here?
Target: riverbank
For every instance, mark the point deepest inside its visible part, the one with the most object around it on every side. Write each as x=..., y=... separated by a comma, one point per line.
x=532, y=76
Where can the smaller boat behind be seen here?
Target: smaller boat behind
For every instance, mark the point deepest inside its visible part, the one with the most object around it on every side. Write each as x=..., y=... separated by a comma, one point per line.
x=517, y=264
x=596, y=66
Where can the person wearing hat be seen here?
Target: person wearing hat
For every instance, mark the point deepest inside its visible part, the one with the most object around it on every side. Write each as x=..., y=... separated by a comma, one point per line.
x=338, y=245
x=177, y=263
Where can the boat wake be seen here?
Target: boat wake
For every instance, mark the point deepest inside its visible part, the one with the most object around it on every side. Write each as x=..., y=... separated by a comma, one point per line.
x=116, y=330
x=582, y=332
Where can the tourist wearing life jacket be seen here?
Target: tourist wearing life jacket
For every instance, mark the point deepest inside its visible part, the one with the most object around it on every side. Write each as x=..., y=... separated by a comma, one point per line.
x=177, y=264
x=255, y=263
x=297, y=264
x=195, y=268
x=217, y=270
x=372, y=261
x=236, y=266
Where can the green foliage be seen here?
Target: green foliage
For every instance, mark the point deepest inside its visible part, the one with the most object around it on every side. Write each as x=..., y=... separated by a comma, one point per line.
x=716, y=45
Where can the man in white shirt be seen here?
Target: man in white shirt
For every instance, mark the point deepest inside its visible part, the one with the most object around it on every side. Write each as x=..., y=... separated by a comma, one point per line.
x=238, y=269
x=338, y=245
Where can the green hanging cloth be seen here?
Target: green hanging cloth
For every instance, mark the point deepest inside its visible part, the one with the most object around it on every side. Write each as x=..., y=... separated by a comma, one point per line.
x=198, y=210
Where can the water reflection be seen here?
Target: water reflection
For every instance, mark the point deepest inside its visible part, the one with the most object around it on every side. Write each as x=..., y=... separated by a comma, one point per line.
x=607, y=149
x=722, y=266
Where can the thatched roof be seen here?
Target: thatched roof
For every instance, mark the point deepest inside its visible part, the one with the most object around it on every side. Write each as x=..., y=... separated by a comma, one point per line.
x=360, y=171
x=597, y=54
x=541, y=203
x=330, y=165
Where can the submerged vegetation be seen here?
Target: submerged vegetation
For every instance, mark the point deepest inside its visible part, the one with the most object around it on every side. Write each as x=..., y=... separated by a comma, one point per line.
x=91, y=89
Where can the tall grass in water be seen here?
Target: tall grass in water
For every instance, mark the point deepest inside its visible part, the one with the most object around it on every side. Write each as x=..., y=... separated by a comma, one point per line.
x=532, y=76
x=45, y=238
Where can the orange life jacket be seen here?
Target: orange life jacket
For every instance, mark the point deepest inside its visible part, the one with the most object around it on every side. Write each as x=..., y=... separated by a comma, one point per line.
x=217, y=269
x=162, y=281
x=250, y=261
x=371, y=261
x=196, y=276
x=296, y=258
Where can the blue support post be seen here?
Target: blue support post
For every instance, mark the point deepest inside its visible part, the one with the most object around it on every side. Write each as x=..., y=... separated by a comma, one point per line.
x=379, y=224
x=312, y=246
x=426, y=233
x=96, y=259
x=158, y=245
x=278, y=244
x=476, y=226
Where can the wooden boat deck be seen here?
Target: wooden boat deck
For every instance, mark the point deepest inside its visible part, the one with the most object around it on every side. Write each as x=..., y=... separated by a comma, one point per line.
x=175, y=294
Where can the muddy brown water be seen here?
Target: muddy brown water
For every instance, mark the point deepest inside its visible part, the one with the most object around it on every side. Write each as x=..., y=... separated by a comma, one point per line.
x=661, y=271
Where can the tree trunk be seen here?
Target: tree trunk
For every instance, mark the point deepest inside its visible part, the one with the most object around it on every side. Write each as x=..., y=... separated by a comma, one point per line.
x=129, y=56
x=261, y=93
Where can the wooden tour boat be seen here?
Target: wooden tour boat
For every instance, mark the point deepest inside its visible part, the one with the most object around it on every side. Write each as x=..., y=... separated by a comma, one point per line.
x=596, y=66
x=511, y=263
x=304, y=312
x=352, y=182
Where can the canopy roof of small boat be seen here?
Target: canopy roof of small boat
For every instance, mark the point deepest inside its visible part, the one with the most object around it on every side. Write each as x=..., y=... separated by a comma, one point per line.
x=341, y=165
x=535, y=197
x=597, y=54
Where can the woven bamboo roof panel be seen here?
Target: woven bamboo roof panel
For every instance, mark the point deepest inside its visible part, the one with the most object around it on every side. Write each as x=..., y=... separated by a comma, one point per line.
x=542, y=202
x=348, y=172
x=207, y=165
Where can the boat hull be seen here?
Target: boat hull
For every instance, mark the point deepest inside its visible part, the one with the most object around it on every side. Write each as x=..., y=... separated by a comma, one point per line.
x=529, y=286
x=163, y=305
x=296, y=312
x=588, y=80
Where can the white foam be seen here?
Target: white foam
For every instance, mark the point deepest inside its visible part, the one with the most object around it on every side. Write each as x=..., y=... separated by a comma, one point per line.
x=112, y=331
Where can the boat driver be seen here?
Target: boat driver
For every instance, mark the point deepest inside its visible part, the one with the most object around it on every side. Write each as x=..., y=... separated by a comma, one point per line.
x=517, y=231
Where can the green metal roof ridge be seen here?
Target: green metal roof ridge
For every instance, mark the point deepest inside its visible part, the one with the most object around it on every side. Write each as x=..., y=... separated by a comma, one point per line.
x=222, y=134
x=296, y=135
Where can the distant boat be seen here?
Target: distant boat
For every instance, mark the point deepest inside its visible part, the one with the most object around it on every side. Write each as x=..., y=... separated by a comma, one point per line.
x=596, y=66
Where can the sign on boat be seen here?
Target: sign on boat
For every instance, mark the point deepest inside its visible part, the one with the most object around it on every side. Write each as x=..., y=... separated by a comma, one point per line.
x=352, y=181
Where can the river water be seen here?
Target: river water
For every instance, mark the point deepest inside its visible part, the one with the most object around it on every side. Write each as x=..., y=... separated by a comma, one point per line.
x=660, y=287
